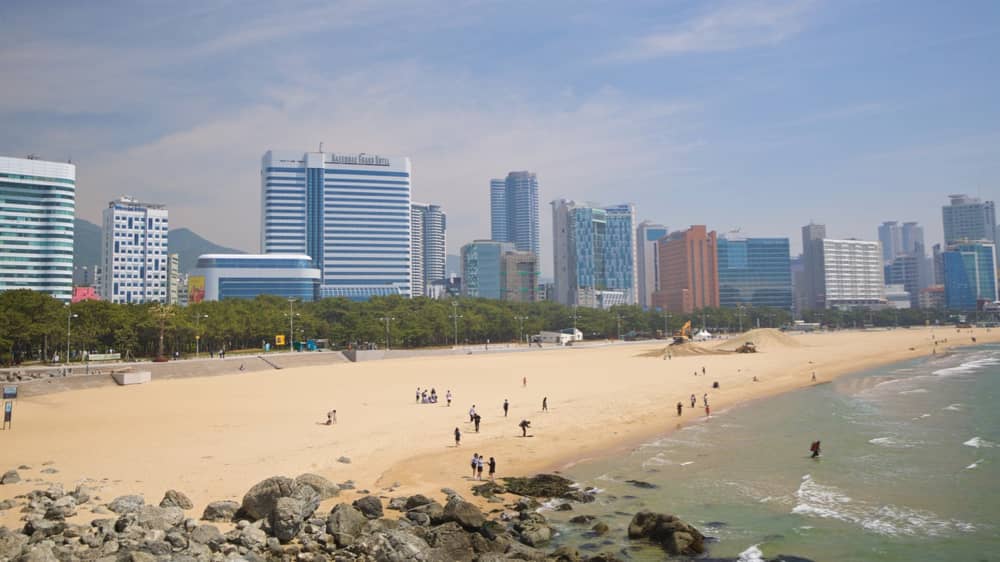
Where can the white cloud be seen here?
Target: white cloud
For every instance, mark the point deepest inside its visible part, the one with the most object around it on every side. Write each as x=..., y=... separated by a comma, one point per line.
x=731, y=26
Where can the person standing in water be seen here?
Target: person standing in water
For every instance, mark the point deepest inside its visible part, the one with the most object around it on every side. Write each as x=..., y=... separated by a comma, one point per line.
x=815, y=449
x=506, y=406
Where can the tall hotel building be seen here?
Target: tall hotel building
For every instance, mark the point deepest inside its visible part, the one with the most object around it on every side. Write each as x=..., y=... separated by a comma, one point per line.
x=134, y=254
x=37, y=206
x=427, y=232
x=514, y=211
x=350, y=213
x=647, y=236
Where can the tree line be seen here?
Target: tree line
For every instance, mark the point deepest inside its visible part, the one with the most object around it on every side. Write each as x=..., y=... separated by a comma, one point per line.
x=35, y=326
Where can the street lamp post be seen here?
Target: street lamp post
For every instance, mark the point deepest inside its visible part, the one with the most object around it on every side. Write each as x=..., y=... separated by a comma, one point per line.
x=387, y=319
x=455, y=316
x=520, y=321
x=197, y=335
x=291, y=322
x=69, y=318
x=619, y=318
x=666, y=324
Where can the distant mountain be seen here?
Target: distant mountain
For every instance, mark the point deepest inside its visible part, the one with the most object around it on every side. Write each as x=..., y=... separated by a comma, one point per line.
x=190, y=245
x=183, y=241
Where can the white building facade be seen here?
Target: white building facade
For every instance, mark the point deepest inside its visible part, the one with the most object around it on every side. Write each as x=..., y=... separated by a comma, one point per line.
x=37, y=207
x=134, y=253
x=853, y=276
x=350, y=213
x=246, y=276
x=647, y=261
x=428, y=225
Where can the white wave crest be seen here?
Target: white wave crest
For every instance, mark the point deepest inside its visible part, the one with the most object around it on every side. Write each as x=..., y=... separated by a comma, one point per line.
x=974, y=465
x=914, y=391
x=979, y=442
x=752, y=554
x=953, y=407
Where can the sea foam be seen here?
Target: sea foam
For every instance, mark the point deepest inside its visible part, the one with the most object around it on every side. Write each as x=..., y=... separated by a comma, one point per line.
x=979, y=442
x=752, y=554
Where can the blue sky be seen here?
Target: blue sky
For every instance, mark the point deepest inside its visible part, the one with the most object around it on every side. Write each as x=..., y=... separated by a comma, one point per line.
x=758, y=115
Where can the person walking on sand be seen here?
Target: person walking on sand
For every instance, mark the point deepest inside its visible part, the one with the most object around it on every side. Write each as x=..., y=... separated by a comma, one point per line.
x=331, y=417
x=476, y=419
x=705, y=399
x=458, y=437
x=472, y=413
x=524, y=382
x=418, y=395
x=694, y=400
x=680, y=408
x=479, y=468
x=448, y=397
x=545, y=404
x=703, y=369
x=493, y=469
x=506, y=406
x=475, y=458
x=524, y=425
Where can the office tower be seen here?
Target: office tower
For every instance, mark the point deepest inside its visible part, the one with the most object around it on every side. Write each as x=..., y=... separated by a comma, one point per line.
x=173, y=278
x=514, y=211
x=427, y=233
x=134, y=252
x=969, y=275
x=520, y=276
x=754, y=272
x=798, y=285
x=937, y=257
x=891, y=237
x=38, y=199
x=968, y=219
x=853, y=276
x=350, y=213
x=812, y=266
x=482, y=268
x=689, y=271
x=647, y=260
x=905, y=270
x=246, y=276
x=594, y=254
x=912, y=238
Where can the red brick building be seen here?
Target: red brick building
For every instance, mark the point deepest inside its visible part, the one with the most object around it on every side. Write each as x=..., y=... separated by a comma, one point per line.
x=689, y=271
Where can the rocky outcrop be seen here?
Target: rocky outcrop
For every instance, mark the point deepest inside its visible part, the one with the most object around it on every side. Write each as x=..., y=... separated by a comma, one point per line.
x=675, y=536
x=10, y=477
x=174, y=498
x=223, y=510
x=323, y=487
x=540, y=486
x=126, y=504
x=344, y=524
x=369, y=506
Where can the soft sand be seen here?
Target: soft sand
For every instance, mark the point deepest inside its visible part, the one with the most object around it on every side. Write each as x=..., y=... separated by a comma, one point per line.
x=213, y=438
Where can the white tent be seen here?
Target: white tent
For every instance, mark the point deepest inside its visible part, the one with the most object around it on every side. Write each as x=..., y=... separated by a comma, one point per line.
x=702, y=335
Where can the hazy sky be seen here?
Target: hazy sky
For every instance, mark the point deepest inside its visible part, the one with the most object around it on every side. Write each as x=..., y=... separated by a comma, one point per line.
x=753, y=115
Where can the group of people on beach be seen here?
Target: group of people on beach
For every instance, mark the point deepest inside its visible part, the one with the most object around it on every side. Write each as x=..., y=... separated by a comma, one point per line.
x=477, y=467
x=425, y=397
x=694, y=402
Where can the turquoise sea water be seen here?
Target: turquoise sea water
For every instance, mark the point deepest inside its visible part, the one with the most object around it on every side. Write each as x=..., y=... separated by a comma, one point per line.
x=910, y=470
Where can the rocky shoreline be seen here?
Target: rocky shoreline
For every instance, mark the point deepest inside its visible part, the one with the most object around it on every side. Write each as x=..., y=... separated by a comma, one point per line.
x=278, y=519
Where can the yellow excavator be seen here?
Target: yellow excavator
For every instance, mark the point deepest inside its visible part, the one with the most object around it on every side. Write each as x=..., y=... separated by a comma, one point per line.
x=684, y=334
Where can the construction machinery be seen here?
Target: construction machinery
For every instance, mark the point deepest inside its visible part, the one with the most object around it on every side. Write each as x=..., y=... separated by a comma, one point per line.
x=684, y=334
x=747, y=347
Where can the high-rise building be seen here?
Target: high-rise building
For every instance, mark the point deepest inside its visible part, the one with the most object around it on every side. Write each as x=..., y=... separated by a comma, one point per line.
x=968, y=219
x=853, y=276
x=969, y=275
x=520, y=276
x=754, y=272
x=514, y=211
x=173, y=278
x=350, y=213
x=134, y=252
x=38, y=200
x=689, y=271
x=594, y=253
x=427, y=233
x=905, y=270
x=647, y=260
x=912, y=238
x=891, y=237
x=482, y=268
x=812, y=266
x=246, y=276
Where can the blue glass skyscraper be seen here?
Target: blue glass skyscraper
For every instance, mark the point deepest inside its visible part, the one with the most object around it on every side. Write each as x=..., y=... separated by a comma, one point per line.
x=514, y=211
x=969, y=275
x=350, y=213
x=755, y=272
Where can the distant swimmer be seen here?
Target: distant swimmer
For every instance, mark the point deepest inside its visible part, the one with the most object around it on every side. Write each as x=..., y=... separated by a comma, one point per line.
x=815, y=449
x=680, y=408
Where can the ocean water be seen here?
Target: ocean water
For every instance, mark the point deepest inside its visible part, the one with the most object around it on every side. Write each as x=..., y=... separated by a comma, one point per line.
x=910, y=470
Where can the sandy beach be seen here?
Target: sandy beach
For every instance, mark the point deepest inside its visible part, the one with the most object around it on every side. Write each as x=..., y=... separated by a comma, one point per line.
x=214, y=437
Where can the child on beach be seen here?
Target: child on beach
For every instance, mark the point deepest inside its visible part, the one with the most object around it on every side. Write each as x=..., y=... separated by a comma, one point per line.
x=524, y=425
x=331, y=417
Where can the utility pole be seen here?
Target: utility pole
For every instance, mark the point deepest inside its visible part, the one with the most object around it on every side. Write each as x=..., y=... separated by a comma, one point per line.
x=291, y=323
x=455, y=316
x=69, y=318
x=387, y=319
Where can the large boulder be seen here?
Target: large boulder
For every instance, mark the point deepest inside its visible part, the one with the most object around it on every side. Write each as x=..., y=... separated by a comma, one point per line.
x=464, y=513
x=209, y=536
x=345, y=523
x=675, y=536
x=323, y=487
x=159, y=518
x=223, y=510
x=126, y=504
x=174, y=498
x=11, y=544
x=540, y=486
x=394, y=545
x=10, y=477
x=61, y=508
x=451, y=542
x=260, y=500
x=416, y=500
x=370, y=506
x=288, y=516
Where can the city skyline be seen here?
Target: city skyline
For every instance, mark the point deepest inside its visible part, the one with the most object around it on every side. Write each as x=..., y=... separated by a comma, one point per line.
x=773, y=114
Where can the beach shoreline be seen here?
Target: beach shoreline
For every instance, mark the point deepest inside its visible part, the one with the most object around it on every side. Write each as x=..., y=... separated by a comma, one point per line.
x=226, y=433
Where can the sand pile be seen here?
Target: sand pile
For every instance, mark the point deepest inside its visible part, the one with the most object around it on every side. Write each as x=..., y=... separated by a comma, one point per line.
x=766, y=339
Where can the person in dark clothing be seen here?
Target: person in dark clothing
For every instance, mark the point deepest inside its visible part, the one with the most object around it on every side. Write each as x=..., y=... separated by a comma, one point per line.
x=680, y=408
x=545, y=404
x=493, y=468
x=815, y=449
x=506, y=405
x=524, y=425
x=458, y=437
x=476, y=419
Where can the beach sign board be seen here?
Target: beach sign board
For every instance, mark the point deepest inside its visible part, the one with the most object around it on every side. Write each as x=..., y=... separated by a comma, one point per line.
x=279, y=339
x=10, y=392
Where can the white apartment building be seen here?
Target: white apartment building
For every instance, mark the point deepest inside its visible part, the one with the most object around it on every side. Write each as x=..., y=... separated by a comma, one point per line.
x=853, y=275
x=134, y=252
